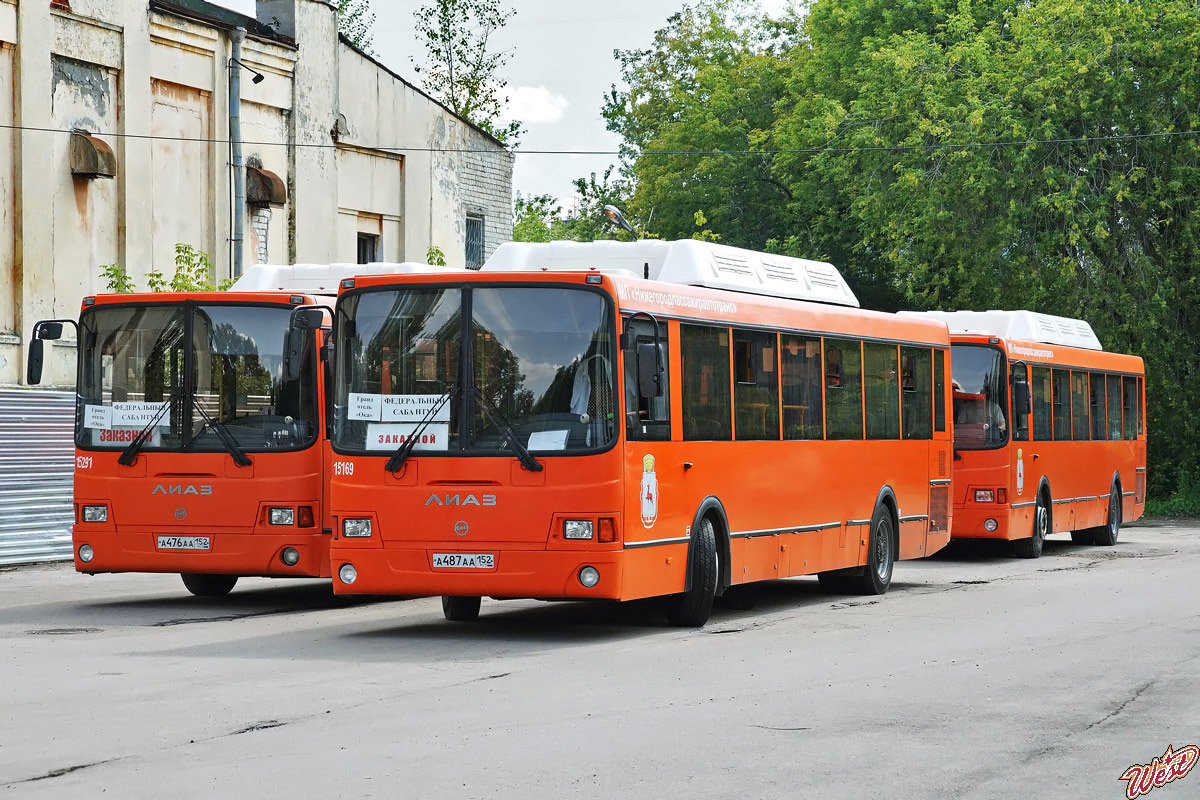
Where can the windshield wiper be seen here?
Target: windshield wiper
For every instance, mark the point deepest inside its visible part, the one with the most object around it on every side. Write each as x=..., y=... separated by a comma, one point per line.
x=527, y=460
x=223, y=434
x=130, y=453
x=406, y=447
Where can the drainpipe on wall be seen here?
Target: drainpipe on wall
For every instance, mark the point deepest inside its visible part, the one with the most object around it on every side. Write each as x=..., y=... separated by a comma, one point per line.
x=235, y=140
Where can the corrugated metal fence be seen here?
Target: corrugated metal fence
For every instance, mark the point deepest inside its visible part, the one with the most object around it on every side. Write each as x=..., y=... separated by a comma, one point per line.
x=37, y=461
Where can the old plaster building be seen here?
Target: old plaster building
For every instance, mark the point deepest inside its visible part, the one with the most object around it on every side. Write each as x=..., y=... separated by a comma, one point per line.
x=117, y=124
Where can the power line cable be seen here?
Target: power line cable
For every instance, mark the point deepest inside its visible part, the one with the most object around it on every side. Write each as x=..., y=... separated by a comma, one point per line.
x=1117, y=137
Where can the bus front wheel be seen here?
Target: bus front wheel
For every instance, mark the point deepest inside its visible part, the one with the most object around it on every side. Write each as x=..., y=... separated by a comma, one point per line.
x=1032, y=547
x=691, y=608
x=460, y=609
x=208, y=585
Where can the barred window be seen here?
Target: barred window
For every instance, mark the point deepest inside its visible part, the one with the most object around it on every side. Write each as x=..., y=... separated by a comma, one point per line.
x=475, y=232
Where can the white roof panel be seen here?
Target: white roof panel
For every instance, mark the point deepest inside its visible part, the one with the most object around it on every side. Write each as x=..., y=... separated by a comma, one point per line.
x=687, y=262
x=320, y=278
x=1027, y=326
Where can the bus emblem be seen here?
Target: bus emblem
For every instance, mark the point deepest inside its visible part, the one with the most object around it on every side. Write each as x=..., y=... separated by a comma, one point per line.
x=649, y=493
x=461, y=528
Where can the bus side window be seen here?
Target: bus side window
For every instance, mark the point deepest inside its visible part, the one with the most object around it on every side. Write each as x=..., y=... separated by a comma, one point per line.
x=704, y=353
x=1062, y=405
x=843, y=389
x=756, y=392
x=1098, y=412
x=647, y=419
x=881, y=385
x=939, y=391
x=1129, y=385
x=916, y=392
x=1079, y=406
x=1114, y=406
x=1020, y=426
x=800, y=371
x=1043, y=406
x=1141, y=399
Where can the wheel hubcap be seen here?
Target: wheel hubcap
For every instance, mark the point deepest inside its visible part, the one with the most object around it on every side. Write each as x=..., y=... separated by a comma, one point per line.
x=1112, y=512
x=883, y=546
x=1040, y=530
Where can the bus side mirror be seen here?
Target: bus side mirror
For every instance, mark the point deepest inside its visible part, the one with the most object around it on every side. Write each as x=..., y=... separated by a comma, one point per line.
x=41, y=331
x=650, y=372
x=33, y=372
x=304, y=318
x=1022, y=404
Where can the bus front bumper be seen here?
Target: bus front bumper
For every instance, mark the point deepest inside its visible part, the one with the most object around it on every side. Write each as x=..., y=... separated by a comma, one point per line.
x=547, y=574
x=972, y=522
x=227, y=553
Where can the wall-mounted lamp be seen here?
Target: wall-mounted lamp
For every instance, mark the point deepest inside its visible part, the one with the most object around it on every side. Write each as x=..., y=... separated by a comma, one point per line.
x=258, y=76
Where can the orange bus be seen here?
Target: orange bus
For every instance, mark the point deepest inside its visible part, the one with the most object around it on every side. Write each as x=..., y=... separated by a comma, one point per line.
x=660, y=424
x=1049, y=430
x=195, y=453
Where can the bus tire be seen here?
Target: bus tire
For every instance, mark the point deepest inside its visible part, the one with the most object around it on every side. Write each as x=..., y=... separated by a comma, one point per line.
x=835, y=582
x=876, y=574
x=460, y=609
x=1031, y=547
x=1106, y=535
x=692, y=607
x=203, y=585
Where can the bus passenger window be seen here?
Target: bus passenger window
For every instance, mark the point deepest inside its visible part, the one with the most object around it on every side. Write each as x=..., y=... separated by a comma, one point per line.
x=1130, y=405
x=1141, y=398
x=647, y=419
x=1079, y=406
x=1043, y=407
x=843, y=389
x=800, y=371
x=1098, y=412
x=939, y=391
x=1114, y=406
x=704, y=354
x=1020, y=427
x=881, y=384
x=756, y=393
x=916, y=392
x=1062, y=404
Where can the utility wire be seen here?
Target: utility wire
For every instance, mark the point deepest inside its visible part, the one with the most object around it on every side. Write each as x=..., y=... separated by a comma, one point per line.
x=1118, y=137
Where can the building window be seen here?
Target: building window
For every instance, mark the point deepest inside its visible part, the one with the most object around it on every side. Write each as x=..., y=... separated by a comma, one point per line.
x=368, y=248
x=474, y=242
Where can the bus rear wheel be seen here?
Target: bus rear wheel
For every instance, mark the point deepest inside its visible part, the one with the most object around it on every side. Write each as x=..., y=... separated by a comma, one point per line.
x=1106, y=535
x=876, y=575
x=460, y=609
x=203, y=585
x=691, y=608
x=1032, y=547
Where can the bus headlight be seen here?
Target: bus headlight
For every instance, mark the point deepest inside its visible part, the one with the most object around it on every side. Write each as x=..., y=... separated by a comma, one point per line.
x=589, y=577
x=356, y=528
x=577, y=529
x=985, y=496
x=283, y=516
x=347, y=574
x=86, y=553
x=95, y=513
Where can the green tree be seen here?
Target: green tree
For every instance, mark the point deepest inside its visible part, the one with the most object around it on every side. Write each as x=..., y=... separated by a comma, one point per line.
x=356, y=21
x=538, y=219
x=193, y=273
x=461, y=69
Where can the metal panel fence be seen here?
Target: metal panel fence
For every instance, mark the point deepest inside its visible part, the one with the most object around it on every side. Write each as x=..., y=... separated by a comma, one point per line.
x=37, y=462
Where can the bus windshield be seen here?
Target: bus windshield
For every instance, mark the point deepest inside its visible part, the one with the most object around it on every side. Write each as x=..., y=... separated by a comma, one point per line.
x=980, y=397
x=213, y=366
x=542, y=358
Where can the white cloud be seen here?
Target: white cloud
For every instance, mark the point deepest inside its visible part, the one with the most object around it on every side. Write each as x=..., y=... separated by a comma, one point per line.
x=535, y=104
x=242, y=6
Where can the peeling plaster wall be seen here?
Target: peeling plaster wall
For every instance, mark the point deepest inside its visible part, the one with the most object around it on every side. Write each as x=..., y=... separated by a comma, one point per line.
x=265, y=139
x=84, y=97
x=181, y=161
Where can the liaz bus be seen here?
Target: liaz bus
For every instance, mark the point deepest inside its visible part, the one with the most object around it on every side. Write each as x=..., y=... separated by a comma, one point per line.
x=679, y=418
x=194, y=452
x=1049, y=430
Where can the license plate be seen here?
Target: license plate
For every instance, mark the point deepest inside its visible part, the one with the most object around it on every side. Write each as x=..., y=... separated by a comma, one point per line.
x=184, y=543
x=464, y=561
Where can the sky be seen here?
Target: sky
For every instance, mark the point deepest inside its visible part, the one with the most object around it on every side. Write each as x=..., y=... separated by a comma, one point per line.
x=561, y=66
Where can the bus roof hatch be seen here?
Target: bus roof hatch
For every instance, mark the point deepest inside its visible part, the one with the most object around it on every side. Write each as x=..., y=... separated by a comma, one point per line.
x=321, y=279
x=1029, y=326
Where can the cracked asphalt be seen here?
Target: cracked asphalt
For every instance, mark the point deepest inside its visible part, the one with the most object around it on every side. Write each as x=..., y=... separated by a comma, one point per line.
x=977, y=676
